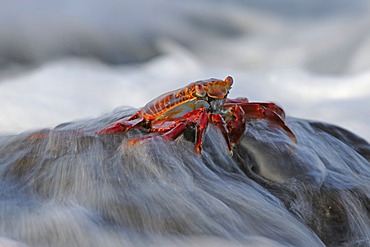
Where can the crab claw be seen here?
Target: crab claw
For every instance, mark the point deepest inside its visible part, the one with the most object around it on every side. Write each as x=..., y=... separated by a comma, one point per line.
x=241, y=110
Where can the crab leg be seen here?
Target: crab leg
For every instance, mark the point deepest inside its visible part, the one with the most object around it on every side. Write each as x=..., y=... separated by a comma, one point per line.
x=245, y=102
x=198, y=117
x=201, y=128
x=123, y=125
x=236, y=123
x=173, y=133
x=241, y=108
x=258, y=111
x=219, y=121
x=173, y=129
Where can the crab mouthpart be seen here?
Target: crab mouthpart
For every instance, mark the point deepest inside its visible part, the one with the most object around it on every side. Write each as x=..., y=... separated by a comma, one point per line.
x=217, y=105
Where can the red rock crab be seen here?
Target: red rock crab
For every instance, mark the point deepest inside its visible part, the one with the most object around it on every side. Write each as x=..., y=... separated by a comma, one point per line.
x=198, y=104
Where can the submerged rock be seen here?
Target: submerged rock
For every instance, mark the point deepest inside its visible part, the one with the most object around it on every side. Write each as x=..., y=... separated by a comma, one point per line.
x=73, y=188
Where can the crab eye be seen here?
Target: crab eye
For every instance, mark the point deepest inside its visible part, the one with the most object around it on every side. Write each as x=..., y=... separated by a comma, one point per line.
x=229, y=80
x=199, y=90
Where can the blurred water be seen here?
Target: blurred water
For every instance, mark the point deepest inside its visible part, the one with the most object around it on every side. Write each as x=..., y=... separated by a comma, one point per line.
x=67, y=60
x=325, y=36
x=84, y=190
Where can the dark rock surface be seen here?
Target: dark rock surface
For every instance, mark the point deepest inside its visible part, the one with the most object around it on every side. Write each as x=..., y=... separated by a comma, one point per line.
x=73, y=188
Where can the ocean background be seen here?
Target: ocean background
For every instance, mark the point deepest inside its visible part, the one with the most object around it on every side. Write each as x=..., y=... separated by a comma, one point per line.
x=67, y=60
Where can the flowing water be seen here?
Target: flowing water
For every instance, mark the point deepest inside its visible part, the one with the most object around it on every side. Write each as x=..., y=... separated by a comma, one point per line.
x=75, y=60
x=68, y=189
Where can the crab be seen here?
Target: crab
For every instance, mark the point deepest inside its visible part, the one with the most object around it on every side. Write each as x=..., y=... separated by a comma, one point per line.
x=199, y=104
